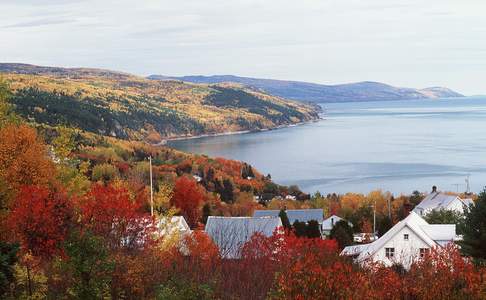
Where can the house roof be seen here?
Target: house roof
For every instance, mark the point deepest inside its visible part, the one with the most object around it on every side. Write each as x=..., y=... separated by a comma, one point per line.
x=436, y=200
x=302, y=215
x=432, y=235
x=231, y=233
x=329, y=223
x=354, y=249
x=468, y=202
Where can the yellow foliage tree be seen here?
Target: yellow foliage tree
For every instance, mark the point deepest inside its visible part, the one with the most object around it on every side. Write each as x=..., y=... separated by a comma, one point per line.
x=162, y=199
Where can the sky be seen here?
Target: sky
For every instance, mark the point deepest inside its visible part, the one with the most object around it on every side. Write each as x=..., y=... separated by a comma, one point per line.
x=409, y=43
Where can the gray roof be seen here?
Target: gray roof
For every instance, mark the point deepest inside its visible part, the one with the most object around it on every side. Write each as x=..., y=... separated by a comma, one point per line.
x=440, y=232
x=231, y=233
x=434, y=201
x=302, y=215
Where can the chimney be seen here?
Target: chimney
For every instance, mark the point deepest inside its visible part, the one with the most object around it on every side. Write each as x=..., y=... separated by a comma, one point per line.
x=434, y=189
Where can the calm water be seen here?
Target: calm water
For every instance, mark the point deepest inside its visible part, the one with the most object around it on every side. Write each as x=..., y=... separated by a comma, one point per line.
x=397, y=146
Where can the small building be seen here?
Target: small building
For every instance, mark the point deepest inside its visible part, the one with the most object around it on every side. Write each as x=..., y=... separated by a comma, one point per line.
x=197, y=178
x=231, y=233
x=438, y=201
x=328, y=224
x=405, y=242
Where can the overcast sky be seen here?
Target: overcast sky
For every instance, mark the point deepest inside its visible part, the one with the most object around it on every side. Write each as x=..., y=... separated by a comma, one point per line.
x=414, y=43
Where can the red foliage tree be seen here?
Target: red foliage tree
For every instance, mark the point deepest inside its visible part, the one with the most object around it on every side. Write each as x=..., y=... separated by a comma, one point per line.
x=313, y=269
x=195, y=260
x=385, y=283
x=188, y=197
x=111, y=213
x=253, y=275
x=40, y=219
x=447, y=275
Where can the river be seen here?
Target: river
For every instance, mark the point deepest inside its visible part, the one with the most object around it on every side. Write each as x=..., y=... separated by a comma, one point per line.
x=397, y=146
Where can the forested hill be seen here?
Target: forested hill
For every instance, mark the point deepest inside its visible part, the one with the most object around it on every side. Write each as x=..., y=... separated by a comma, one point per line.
x=352, y=92
x=132, y=107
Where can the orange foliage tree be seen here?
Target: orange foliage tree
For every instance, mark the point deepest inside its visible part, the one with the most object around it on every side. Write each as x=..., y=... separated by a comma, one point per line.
x=23, y=157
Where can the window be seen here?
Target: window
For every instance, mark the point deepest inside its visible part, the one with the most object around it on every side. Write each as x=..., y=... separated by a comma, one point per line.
x=389, y=252
x=405, y=237
x=423, y=251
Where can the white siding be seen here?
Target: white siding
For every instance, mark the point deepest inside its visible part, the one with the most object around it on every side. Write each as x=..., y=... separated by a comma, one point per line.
x=405, y=250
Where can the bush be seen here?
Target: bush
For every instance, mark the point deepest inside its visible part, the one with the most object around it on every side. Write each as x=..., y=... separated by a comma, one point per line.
x=184, y=290
x=104, y=173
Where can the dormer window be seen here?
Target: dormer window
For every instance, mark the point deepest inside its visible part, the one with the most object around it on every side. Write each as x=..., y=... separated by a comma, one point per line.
x=405, y=237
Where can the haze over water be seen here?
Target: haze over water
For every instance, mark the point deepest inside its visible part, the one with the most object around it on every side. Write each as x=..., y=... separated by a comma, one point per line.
x=398, y=146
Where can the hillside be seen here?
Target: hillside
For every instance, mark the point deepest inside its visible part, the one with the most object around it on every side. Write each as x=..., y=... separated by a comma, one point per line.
x=131, y=107
x=361, y=91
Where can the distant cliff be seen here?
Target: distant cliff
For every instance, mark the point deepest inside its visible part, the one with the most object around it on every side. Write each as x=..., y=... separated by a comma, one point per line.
x=305, y=91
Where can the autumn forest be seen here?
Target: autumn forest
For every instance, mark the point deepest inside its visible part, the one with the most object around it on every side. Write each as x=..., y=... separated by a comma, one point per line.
x=75, y=200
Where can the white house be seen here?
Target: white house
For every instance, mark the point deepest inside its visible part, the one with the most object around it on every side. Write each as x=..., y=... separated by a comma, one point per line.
x=328, y=224
x=437, y=201
x=405, y=242
x=176, y=224
x=231, y=233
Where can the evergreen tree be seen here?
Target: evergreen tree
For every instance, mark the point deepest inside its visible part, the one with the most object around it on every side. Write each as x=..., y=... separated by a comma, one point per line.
x=313, y=230
x=342, y=233
x=416, y=198
x=383, y=225
x=8, y=258
x=444, y=216
x=210, y=175
x=227, y=194
x=251, y=174
x=300, y=229
x=206, y=210
x=285, y=219
x=474, y=237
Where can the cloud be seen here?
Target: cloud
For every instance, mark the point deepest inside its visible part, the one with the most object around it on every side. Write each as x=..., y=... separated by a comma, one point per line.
x=40, y=2
x=404, y=42
x=40, y=22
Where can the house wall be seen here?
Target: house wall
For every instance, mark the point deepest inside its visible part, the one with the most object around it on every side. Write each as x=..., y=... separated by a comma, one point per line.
x=405, y=251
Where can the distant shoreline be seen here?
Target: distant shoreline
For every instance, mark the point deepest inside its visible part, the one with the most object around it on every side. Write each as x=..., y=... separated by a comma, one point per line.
x=166, y=141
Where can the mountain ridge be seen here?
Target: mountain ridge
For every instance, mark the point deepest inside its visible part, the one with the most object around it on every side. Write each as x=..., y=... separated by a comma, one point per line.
x=321, y=93
x=132, y=107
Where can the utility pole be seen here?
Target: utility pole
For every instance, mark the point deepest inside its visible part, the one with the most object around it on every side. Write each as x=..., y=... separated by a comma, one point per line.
x=374, y=221
x=389, y=207
x=151, y=189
